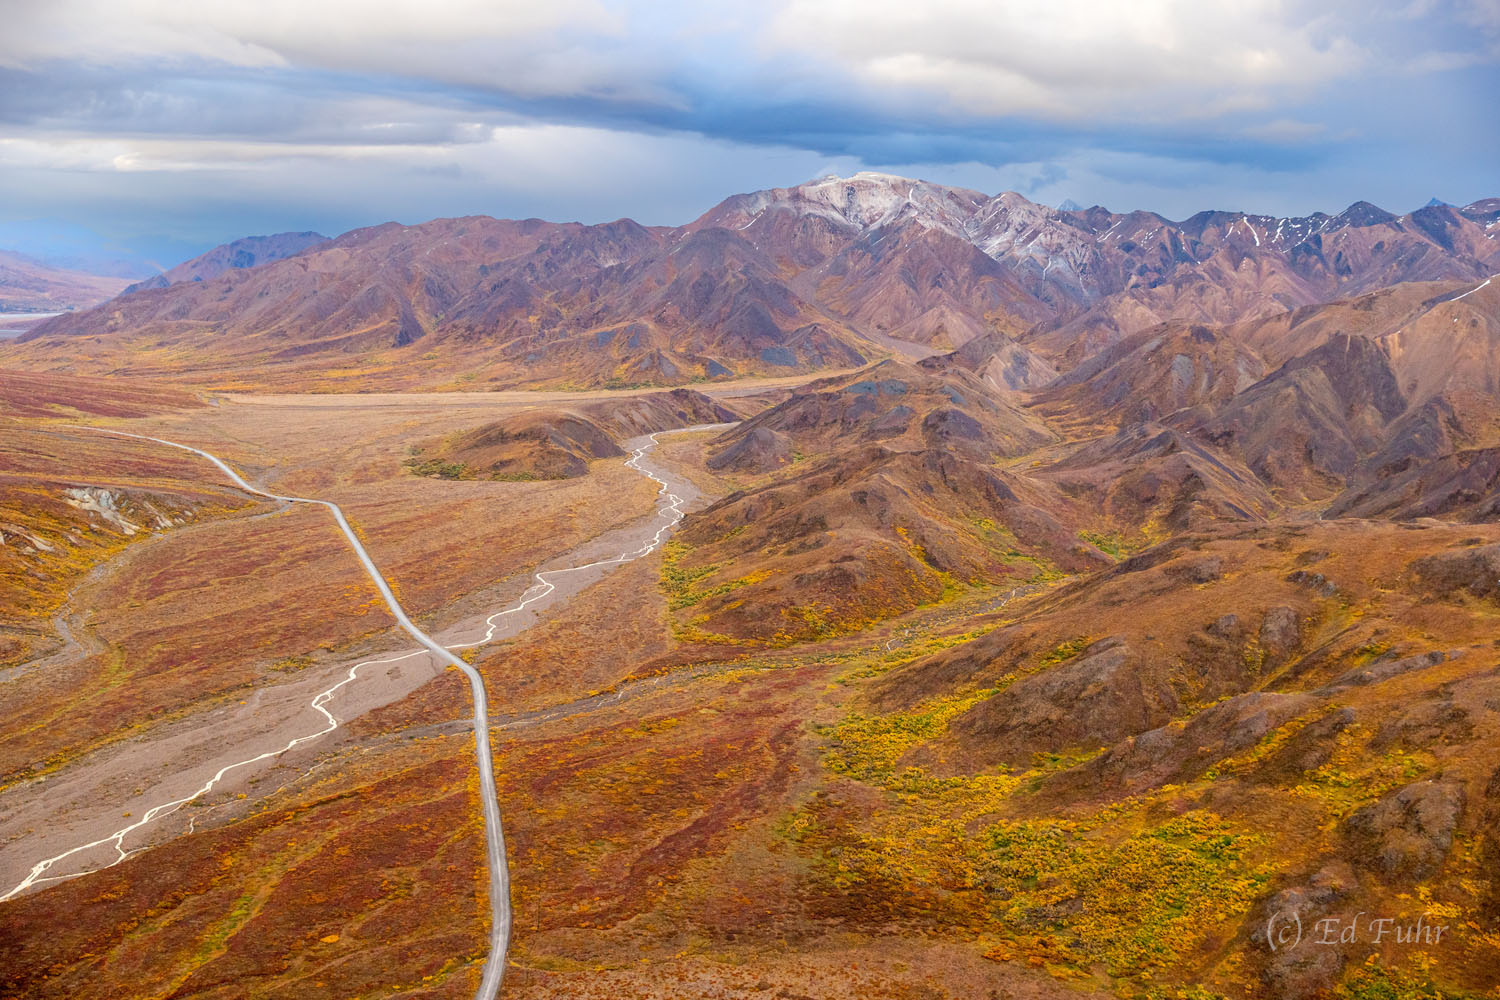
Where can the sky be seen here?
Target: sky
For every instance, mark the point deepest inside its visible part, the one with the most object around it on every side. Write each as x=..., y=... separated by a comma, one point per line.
x=146, y=131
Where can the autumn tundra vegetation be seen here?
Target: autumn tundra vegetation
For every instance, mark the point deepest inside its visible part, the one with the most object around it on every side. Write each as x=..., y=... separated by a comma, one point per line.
x=1073, y=633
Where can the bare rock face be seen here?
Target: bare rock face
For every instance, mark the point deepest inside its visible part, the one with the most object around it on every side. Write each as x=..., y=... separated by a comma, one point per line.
x=1295, y=970
x=1102, y=696
x=1440, y=715
x=1406, y=836
x=1280, y=631
x=1385, y=669
x=1226, y=627
x=1489, y=843
x=1204, y=570
x=1474, y=571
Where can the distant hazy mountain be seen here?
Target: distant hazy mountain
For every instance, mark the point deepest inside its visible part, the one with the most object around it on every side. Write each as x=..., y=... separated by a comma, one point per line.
x=27, y=285
x=251, y=251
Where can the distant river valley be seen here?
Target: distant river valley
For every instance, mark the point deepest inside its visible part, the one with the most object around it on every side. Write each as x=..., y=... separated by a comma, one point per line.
x=12, y=325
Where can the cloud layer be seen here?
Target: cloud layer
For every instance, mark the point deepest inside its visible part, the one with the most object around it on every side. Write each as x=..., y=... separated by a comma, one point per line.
x=175, y=125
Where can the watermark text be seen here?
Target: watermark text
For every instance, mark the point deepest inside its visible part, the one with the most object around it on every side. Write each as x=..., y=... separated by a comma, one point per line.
x=1287, y=929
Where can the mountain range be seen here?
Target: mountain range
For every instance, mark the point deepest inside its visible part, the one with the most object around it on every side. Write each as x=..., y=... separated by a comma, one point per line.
x=825, y=275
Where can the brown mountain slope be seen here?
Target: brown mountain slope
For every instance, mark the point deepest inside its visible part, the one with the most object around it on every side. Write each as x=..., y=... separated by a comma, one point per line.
x=1417, y=379
x=792, y=279
x=998, y=360
x=1151, y=374
x=1174, y=429
x=1362, y=389
x=506, y=302
x=559, y=443
x=901, y=405
x=868, y=532
x=1307, y=427
x=1463, y=485
x=1374, y=315
x=925, y=286
x=869, y=494
x=1148, y=480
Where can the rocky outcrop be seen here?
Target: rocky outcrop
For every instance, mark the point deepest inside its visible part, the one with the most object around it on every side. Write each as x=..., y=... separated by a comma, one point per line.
x=1474, y=571
x=1101, y=696
x=1406, y=836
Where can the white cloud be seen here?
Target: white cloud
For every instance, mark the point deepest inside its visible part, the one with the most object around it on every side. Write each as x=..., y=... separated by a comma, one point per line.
x=522, y=45
x=1063, y=60
x=1080, y=59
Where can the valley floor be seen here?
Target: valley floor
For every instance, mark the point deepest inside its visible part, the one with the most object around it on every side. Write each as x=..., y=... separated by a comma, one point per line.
x=1098, y=778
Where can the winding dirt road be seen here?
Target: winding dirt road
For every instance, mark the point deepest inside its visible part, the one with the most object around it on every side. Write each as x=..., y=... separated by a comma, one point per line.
x=670, y=509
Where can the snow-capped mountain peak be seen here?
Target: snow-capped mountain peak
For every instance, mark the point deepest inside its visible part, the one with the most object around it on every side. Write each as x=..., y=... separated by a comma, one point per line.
x=866, y=201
